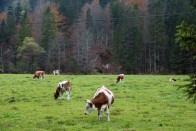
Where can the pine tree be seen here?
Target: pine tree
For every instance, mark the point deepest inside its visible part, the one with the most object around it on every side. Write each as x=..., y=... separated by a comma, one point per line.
x=156, y=37
x=71, y=8
x=10, y=22
x=24, y=28
x=175, y=57
x=48, y=32
x=89, y=21
x=10, y=51
x=117, y=11
x=18, y=11
x=127, y=42
x=103, y=3
x=2, y=44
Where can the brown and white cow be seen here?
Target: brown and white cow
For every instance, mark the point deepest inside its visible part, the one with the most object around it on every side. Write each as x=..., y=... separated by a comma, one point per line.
x=56, y=72
x=101, y=101
x=64, y=86
x=172, y=79
x=120, y=78
x=39, y=74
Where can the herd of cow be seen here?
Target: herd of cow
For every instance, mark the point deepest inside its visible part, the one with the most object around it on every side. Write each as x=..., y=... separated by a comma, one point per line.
x=101, y=101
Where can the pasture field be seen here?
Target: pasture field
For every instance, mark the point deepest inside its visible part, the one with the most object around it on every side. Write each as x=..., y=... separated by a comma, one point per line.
x=142, y=102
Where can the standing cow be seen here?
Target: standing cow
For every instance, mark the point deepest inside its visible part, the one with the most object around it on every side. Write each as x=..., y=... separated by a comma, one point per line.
x=39, y=74
x=56, y=72
x=102, y=100
x=120, y=78
x=64, y=86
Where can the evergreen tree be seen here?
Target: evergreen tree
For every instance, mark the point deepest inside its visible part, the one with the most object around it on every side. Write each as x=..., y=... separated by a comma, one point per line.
x=175, y=62
x=3, y=4
x=156, y=42
x=48, y=32
x=71, y=8
x=18, y=11
x=89, y=23
x=10, y=51
x=186, y=36
x=117, y=11
x=2, y=44
x=127, y=41
x=32, y=4
x=10, y=22
x=24, y=28
x=103, y=3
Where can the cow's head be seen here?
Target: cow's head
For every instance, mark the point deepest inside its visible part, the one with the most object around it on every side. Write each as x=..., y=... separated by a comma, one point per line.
x=89, y=107
x=34, y=76
x=56, y=94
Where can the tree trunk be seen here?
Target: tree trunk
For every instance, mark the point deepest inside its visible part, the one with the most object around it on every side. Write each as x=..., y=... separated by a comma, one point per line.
x=1, y=57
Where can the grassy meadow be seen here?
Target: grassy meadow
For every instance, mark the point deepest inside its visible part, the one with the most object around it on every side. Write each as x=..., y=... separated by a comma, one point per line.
x=142, y=102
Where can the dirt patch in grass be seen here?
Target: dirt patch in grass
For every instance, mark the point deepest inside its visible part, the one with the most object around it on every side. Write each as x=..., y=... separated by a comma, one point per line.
x=116, y=112
x=14, y=108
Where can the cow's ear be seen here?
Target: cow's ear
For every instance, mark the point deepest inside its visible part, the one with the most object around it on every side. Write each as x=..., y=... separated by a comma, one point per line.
x=87, y=101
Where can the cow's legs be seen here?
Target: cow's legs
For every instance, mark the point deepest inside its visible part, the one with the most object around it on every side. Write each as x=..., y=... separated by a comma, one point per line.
x=99, y=114
x=68, y=95
x=43, y=77
x=107, y=113
x=61, y=95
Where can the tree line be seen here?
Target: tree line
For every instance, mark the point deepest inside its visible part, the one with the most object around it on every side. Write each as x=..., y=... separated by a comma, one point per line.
x=84, y=36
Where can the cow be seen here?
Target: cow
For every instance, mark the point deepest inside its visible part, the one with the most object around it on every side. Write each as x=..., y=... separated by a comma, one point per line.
x=172, y=79
x=64, y=86
x=39, y=74
x=101, y=101
x=120, y=78
x=56, y=72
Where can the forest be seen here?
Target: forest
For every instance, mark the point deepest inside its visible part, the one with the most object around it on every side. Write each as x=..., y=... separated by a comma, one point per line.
x=98, y=36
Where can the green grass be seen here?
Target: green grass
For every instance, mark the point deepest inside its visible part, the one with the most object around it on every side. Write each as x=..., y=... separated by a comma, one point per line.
x=142, y=102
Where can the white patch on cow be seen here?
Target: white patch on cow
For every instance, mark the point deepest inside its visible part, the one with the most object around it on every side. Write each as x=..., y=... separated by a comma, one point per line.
x=103, y=107
x=61, y=84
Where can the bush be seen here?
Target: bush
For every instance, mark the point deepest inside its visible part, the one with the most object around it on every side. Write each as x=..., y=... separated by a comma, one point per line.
x=190, y=89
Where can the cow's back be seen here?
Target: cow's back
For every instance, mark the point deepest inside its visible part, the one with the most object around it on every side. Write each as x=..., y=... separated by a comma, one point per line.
x=65, y=85
x=107, y=92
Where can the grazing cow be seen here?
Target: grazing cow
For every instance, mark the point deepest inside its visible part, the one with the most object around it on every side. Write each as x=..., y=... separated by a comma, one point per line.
x=120, y=78
x=172, y=79
x=39, y=74
x=56, y=72
x=64, y=86
x=102, y=100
